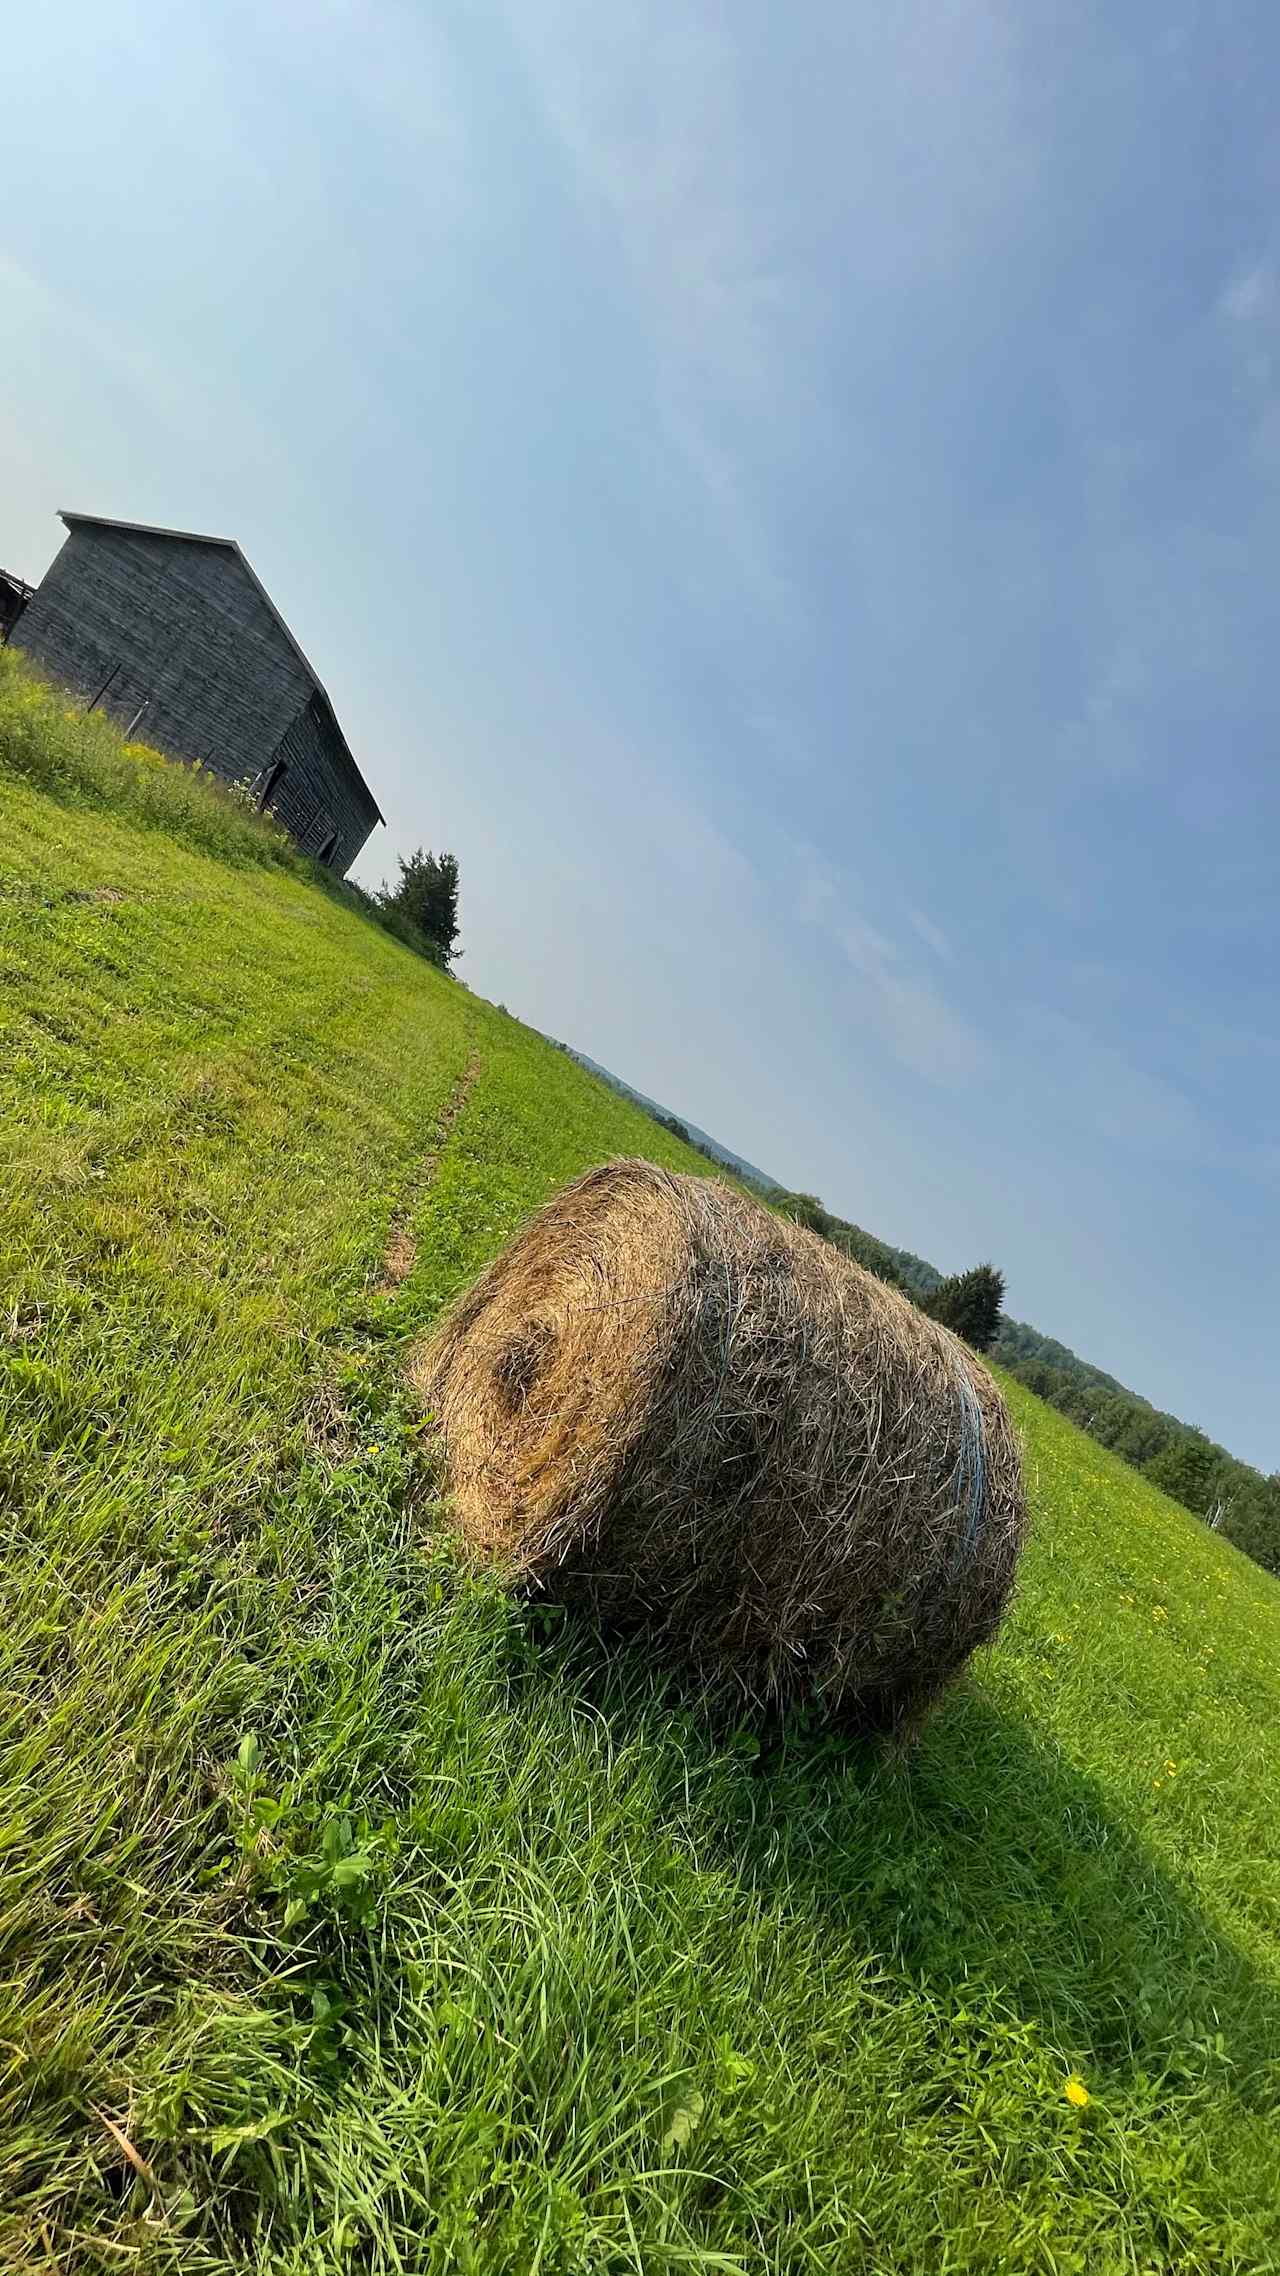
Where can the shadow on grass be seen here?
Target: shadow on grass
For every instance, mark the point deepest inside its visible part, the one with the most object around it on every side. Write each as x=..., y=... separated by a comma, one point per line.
x=978, y=1863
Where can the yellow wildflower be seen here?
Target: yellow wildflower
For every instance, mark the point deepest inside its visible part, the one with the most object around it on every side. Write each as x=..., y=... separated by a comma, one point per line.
x=1077, y=2093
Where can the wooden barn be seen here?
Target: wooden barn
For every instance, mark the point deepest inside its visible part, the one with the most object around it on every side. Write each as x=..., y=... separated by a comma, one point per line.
x=15, y=592
x=172, y=634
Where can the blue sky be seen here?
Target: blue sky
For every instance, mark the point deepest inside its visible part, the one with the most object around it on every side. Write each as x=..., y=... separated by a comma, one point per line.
x=792, y=499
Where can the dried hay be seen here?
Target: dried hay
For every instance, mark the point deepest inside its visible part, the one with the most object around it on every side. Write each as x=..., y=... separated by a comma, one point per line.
x=666, y=1404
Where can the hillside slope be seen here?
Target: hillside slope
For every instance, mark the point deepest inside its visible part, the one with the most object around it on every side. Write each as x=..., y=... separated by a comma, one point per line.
x=353, y=1918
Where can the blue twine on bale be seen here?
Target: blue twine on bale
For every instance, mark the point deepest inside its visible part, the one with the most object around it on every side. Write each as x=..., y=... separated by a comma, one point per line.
x=969, y=1478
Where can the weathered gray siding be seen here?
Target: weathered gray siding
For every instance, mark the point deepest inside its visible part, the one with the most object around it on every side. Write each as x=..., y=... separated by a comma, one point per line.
x=14, y=595
x=185, y=633
x=317, y=794
x=189, y=649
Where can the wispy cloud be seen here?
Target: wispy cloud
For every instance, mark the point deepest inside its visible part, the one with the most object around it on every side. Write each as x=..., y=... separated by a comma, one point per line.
x=735, y=177
x=932, y=935
x=908, y=1012
x=29, y=304
x=1249, y=308
x=399, y=80
x=648, y=110
x=1250, y=298
x=1089, y=1080
x=885, y=993
x=646, y=107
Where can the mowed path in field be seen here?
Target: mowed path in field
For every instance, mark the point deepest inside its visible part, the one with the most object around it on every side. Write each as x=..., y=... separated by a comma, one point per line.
x=353, y=1917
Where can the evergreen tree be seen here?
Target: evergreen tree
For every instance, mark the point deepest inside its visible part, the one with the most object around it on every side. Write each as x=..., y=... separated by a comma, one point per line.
x=970, y=1303
x=427, y=898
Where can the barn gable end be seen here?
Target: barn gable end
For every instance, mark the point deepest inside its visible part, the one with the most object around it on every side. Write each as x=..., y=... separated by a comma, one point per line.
x=172, y=635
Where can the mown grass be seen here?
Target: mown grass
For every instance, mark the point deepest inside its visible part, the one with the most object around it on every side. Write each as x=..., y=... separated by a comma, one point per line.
x=352, y=1918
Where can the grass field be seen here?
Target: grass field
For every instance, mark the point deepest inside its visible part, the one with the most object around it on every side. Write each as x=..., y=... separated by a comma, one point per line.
x=354, y=1919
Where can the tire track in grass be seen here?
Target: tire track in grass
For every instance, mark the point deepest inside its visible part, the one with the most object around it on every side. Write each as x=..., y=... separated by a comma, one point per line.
x=331, y=1428
x=400, y=1252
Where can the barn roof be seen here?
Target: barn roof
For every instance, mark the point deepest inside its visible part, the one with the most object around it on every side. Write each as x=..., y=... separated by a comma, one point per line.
x=229, y=545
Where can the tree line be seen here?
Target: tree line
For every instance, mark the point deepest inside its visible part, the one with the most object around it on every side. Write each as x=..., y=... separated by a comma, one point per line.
x=970, y=1303
x=1236, y=1500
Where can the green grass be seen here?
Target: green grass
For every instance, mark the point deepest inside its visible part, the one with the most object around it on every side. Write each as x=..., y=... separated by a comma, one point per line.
x=81, y=759
x=394, y=1928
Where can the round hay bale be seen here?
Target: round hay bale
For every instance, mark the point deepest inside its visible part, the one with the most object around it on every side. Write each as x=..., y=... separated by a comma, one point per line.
x=666, y=1404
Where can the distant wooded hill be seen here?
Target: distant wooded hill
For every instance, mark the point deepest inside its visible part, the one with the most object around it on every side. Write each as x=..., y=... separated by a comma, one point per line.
x=700, y=1139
